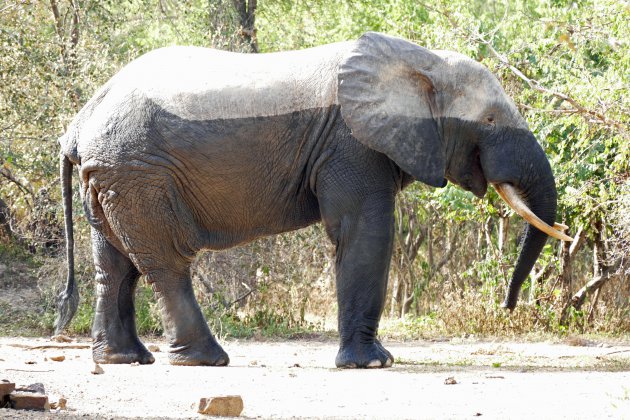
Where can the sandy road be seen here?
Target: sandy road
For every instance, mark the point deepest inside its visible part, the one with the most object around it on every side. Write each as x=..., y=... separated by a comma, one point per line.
x=297, y=379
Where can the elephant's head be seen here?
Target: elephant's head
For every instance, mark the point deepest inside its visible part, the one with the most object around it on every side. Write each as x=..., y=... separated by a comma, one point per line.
x=440, y=115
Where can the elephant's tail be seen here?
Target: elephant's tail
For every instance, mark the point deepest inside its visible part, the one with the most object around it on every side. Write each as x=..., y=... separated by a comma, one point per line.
x=68, y=300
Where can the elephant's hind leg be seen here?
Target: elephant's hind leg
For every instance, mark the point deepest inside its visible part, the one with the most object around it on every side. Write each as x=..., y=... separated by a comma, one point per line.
x=160, y=232
x=191, y=342
x=115, y=339
x=162, y=247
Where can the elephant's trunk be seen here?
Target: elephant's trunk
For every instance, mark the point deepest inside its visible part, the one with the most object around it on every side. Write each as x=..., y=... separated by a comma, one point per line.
x=541, y=199
x=521, y=174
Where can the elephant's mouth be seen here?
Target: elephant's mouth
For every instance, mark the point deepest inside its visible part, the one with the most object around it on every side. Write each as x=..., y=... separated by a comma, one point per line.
x=473, y=179
x=510, y=195
x=478, y=184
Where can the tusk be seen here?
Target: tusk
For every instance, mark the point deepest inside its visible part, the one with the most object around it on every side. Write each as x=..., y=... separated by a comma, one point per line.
x=511, y=197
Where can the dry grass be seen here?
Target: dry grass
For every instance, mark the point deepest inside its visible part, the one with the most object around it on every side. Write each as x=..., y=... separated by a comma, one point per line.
x=284, y=285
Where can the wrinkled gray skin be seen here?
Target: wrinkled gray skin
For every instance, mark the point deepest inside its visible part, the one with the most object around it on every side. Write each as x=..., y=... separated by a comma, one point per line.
x=190, y=148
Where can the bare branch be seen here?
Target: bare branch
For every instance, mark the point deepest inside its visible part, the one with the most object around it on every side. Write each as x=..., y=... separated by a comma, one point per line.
x=8, y=7
x=595, y=284
x=544, y=273
x=578, y=240
x=26, y=189
x=243, y=296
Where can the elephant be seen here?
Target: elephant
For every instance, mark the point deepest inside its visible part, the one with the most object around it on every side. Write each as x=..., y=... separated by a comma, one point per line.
x=190, y=148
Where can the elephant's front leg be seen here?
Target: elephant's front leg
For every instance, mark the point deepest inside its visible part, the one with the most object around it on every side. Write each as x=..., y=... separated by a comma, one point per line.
x=364, y=246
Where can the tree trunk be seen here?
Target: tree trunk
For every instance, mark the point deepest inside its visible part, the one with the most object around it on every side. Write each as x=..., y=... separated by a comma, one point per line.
x=247, y=12
x=566, y=268
x=538, y=279
x=567, y=253
x=395, y=299
x=407, y=299
x=68, y=34
x=504, y=224
x=5, y=219
x=487, y=230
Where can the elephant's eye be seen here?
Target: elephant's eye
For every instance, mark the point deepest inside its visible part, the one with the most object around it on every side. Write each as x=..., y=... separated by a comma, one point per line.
x=490, y=120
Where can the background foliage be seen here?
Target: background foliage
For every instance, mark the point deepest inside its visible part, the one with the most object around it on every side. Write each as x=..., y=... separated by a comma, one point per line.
x=565, y=63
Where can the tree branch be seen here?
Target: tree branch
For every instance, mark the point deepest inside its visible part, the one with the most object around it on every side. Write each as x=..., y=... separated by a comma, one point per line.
x=26, y=189
x=594, y=284
x=7, y=7
x=533, y=84
x=577, y=242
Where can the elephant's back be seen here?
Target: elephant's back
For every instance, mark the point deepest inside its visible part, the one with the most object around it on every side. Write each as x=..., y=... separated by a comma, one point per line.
x=204, y=84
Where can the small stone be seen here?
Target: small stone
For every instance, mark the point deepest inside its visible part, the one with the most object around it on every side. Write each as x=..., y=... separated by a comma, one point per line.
x=450, y=381
x=59, y=358
x=153, y=348
x=6, y=388
x=37, y=388
x=61, y=339
x=59, y=405
x=98, y=370
x=29, y=401
x=228, y=406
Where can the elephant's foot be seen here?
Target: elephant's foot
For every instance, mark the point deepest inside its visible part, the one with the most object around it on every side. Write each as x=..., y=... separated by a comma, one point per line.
x=202, y=353
x=120, y=352
x=363, y=355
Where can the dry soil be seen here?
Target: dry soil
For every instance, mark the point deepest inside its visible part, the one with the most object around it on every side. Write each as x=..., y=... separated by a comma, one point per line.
x=452, y=379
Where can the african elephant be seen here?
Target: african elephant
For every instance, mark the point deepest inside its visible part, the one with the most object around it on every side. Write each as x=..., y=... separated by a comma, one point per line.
x=190, y=148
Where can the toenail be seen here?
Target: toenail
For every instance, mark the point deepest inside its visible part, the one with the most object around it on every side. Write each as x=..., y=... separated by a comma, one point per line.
x=375, y=364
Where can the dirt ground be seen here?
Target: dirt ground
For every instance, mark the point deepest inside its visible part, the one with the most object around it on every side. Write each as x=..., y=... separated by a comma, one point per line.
x=297, y=379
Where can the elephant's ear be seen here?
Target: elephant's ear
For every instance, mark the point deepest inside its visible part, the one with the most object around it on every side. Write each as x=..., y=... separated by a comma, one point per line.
x=387, y=96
